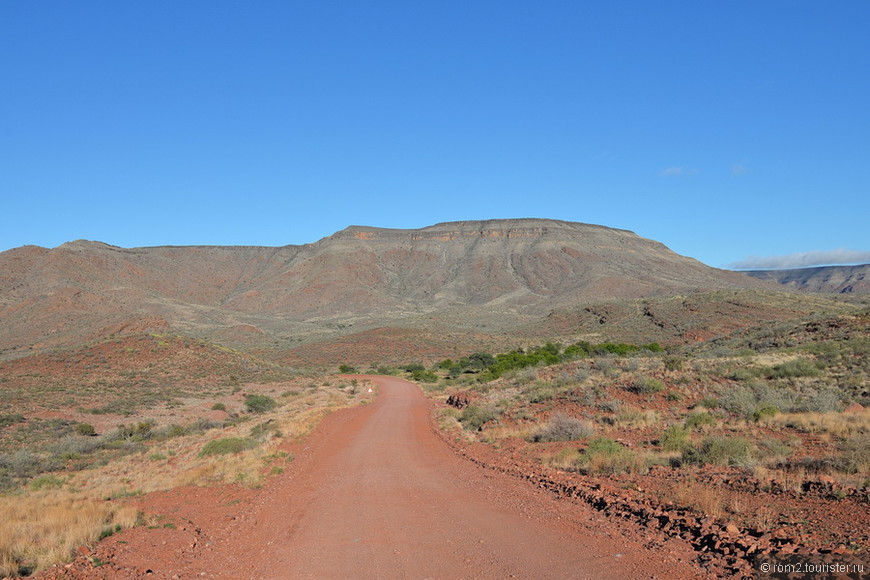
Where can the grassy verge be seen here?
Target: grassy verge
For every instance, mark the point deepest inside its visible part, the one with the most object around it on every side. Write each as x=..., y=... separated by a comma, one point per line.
x=46, y=515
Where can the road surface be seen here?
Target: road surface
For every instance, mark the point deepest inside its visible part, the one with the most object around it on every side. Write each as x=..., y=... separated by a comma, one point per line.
x=377, y=494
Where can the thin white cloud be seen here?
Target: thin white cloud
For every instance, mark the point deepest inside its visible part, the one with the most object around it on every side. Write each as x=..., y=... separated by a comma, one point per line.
x=739, y=169
x=803, y=260
x=678, y=171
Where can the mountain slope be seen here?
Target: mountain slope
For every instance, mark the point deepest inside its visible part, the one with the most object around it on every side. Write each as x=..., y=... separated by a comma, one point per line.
x=838, y=279
x=497, y=272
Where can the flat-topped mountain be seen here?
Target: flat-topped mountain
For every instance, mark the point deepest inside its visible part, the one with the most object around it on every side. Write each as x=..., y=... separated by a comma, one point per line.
x=497, y=273
x=838, y=279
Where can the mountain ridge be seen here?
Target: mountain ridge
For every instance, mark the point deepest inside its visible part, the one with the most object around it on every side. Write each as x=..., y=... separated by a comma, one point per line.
x=493, y=273
x=848, y=279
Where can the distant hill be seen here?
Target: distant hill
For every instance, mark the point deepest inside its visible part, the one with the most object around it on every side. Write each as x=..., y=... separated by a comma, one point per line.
x=484, y=277
x=838, y=279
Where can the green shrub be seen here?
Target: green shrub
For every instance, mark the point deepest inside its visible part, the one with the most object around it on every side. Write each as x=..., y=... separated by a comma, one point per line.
x=473, y=418
x=347, y=369
x=745, y=400
x=618, y=349
x=218, y=407
x=107, y=531
x=604, y=445
x=85, y=429
x=609, y=406
x=604, y=455
x=764, y=411
x=708, y=403
x=424, y=376
x=675, y=438
x=743, y=374
x=540, y=392
x=801, y=367
x=10, y=419
x=697, y=421
x=736, y=451
x=137, y=432
x=259, y=403
x=454, y=371
x=227, y=445
x=822, y=400
x=477, y=362
x=72, y=447
x=645, y=386
x=46, y=482
x=21, y=464
x=561, y=427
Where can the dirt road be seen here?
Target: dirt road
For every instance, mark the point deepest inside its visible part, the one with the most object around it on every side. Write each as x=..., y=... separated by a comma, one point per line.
x=377, y=494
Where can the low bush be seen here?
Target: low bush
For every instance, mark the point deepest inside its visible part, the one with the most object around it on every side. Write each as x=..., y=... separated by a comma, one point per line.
x=606, y=456
x=138, y=432
x=46, y=482
x=854, y=455
x=735, y=451
x=11, y=419
x=473, y=418
x=85, y=429
x=745, y=400
x=764, y=411
x=801, y=367
x=645, y=386
x=675, y=438
x=631, y=417
x=72, y=446
x=424, y=376
x=561, y=427
x=264, y=430
x=259, y=403
x=820, y=400
x=21, y=464
x=699, y=421
x=709, y=403
x=773, y=450
x=227, y=445
x=540, y=392
x=673, y=363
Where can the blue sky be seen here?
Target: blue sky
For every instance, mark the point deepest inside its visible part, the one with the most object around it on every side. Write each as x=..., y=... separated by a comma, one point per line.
x=723, y=129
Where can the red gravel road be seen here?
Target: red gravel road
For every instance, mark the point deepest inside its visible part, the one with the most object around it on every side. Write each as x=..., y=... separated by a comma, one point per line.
x=377, y=494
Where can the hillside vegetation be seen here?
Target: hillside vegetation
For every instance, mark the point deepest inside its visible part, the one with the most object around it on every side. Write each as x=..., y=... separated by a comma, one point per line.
x=767, y=429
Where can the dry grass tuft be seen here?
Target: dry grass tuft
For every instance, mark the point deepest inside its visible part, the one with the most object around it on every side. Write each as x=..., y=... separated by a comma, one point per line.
x=566, y=458
x=841, y=424
x=699, y=498
x=631, y=417
x=44, y=528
